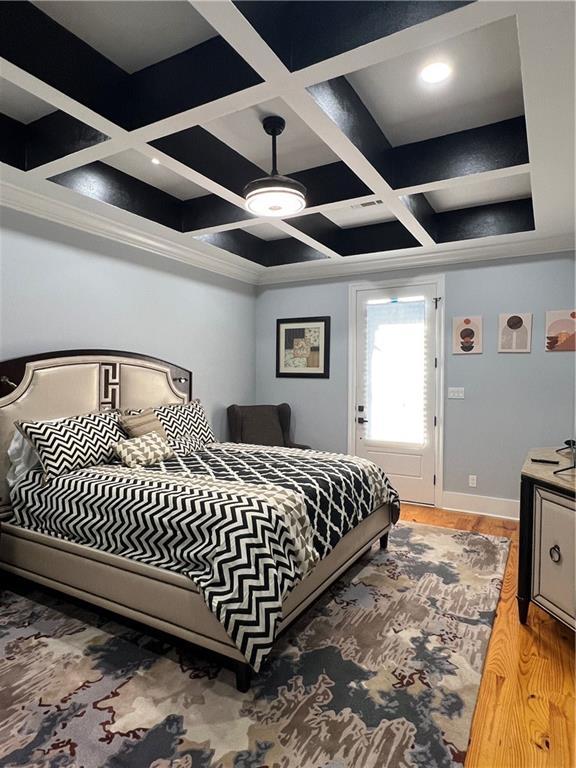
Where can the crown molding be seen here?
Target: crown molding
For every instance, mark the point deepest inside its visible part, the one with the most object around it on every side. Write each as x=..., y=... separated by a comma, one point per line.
x=507, y=248
x=51, y=209
x=45, y=207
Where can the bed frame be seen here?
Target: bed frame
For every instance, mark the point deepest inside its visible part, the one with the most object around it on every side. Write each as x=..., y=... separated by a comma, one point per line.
x=59, y=384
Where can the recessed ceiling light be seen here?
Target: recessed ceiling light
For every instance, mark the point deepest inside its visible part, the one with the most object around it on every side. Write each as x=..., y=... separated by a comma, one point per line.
x=435, y=73
x=155, y=161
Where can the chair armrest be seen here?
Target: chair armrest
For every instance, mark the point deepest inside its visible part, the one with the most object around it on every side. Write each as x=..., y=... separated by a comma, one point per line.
x=285, y=415
x=235, y=424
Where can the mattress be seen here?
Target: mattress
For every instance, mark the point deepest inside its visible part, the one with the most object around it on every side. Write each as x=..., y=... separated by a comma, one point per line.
x=245, y=523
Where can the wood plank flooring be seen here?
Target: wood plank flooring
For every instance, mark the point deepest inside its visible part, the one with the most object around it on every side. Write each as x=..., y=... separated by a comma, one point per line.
x=525, y=712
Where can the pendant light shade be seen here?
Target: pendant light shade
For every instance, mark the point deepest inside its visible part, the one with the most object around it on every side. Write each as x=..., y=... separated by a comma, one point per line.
x=274, y=195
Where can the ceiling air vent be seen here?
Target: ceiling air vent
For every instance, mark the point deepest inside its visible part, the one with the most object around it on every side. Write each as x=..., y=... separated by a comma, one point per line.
x=367, y=205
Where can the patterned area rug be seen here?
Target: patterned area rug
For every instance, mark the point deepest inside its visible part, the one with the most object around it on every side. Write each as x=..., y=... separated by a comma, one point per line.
x=383, y=671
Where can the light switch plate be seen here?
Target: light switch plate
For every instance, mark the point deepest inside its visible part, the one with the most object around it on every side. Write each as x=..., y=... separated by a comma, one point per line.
x=455, y=393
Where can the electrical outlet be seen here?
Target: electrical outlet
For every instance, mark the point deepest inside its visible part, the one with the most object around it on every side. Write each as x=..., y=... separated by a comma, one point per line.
x=472, y=481
x=455, y=393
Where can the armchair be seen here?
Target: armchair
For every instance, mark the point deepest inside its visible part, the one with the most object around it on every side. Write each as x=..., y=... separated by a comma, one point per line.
x=261, y=425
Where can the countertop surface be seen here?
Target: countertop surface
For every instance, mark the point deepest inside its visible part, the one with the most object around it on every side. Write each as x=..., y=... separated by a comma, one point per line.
x=545, y=472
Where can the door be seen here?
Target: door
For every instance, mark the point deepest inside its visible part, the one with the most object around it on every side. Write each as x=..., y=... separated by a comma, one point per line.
x=396, y=386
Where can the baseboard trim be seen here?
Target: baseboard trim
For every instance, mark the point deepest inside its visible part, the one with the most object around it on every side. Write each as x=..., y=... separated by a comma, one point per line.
x=481, y=505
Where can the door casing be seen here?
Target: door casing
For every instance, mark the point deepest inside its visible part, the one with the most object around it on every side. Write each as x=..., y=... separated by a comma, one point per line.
x=354, y=288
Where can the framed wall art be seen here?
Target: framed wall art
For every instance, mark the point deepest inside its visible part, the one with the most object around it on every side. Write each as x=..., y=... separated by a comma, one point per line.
x=561, y=330
x=515, y=332
x=303, y=347
x=467, y=335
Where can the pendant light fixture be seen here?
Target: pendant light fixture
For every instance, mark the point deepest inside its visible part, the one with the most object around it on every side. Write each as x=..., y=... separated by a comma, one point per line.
x=274, y=195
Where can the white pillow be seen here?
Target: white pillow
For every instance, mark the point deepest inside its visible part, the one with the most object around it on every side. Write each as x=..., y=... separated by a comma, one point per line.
x=22, y=457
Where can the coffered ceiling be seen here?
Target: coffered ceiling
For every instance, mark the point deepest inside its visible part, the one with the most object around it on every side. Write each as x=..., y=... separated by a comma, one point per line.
x=299, y=147
x=131, y=33
x=21, y=105
x=485, y=86
x=141, y=121
x=139, y=166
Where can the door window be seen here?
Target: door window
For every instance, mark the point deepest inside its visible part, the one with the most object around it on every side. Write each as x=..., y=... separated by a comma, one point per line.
x=395, y=379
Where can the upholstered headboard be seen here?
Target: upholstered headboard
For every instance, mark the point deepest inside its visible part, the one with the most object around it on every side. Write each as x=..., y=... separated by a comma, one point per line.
x=72, y=382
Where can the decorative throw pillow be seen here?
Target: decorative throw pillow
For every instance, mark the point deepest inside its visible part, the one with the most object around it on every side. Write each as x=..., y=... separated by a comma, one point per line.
x=186, y=420
x=136, y=424
x=143, y=451
x=64, y=445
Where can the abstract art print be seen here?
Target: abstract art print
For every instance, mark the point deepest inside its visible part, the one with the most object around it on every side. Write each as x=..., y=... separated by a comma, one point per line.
x=561, y=330
x=467, y=335
x=515, y=332
x=303, y=347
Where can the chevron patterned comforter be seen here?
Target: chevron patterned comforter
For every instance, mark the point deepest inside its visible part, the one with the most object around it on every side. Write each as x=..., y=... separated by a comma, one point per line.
x=246, y=523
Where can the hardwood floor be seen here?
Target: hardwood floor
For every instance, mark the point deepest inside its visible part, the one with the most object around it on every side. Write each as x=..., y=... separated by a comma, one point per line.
x=525, y=711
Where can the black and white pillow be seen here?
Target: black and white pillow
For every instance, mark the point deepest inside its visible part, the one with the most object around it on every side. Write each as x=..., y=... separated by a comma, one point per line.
x=186, y=422
x=64, y=445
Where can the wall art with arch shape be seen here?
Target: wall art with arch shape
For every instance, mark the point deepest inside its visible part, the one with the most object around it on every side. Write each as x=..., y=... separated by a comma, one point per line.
x=467, y=335
x=561, y=330
x=515, y=332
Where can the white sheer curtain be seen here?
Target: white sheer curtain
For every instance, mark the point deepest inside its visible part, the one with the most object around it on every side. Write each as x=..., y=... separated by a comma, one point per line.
x=395, y=396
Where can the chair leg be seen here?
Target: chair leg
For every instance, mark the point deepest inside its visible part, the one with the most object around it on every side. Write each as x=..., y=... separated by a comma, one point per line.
x=243, y=677
x=384, y=541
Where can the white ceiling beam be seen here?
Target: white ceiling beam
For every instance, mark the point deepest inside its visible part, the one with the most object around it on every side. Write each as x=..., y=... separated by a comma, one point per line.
x=338, y=205
x=307, y=108
x=288, y=229
x=251, y=222
x=226, y=227
x=58, y=100
x=205, y=113
x=463, y=181
x=97, y=152
x=211, y=187
x=235, y=28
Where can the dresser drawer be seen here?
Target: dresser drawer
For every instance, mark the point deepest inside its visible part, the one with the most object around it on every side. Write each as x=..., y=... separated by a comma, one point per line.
x=553, y=577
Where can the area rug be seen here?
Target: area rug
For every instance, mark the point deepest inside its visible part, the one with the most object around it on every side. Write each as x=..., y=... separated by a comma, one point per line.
x=383, y=671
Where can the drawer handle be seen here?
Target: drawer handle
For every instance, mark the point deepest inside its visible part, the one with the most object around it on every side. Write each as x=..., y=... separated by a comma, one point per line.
x=555, y=554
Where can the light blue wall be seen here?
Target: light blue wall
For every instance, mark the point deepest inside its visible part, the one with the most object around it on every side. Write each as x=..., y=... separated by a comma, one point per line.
x=319, y=406
x=63, y=289
x=512, y=402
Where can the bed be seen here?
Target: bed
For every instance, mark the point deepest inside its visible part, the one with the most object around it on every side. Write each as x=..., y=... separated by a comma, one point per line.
x=43, y=547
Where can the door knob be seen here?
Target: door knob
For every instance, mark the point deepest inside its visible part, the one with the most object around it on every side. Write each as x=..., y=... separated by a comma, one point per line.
x=361, y=420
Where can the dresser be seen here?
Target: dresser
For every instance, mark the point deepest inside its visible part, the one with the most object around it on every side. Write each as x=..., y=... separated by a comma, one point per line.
x=546, y=569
